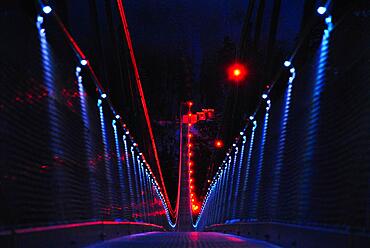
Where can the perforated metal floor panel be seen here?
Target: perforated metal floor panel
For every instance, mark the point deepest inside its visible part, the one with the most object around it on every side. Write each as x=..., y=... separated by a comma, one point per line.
x=183, y=239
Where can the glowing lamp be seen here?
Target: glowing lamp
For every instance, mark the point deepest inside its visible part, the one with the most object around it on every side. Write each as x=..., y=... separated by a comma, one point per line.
x=237, y=72
x=83, y=62
x=117, y=117
x=287, y=63
x=219, y=144
x=328, y=20
x=321, y=10
x=47, y=9
x=264, y=96
x=195, y=208
x=40, y=19
x=103, y=95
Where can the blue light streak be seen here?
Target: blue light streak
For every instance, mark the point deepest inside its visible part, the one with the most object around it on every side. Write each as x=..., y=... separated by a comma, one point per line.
x=229, y=203
x=241, y=159
x=87, y=139
x=225, y=189
x=259, y=170
x=136, y=179
x=149, y=199
x=220, y=194
x=108, y=173
x=120, y=166
x=313, y=121
x=132, y=198
x=141, y=185
x=145, y=188
x=282, y=143
x=246, y=175
x=54, y=123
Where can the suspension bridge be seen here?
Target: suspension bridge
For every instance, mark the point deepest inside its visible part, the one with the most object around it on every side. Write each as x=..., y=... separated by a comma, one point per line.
x=73, y=173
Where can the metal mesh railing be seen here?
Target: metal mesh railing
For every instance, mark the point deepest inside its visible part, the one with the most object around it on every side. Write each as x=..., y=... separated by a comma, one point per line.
x=305, y=159
x=65, y=154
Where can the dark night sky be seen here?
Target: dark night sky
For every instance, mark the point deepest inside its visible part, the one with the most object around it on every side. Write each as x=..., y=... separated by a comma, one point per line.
x=163, y=31
x=167, y=33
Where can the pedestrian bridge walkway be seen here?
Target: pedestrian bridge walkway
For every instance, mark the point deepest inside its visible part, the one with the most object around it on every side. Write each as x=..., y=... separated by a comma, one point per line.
x=79, y=165
x=182, y=239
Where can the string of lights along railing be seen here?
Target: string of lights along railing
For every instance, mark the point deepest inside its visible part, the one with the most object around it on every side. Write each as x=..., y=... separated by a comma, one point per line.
x=193, y=199
x=140, y=176
x=227, y=200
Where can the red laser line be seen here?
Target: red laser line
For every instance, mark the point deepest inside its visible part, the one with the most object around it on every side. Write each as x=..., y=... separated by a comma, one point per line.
x=69, y=36
x=142, y=97
x=75, y=225
x=78, y=50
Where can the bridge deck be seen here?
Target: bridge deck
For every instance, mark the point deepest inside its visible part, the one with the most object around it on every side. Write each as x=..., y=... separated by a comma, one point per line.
x=183, y=239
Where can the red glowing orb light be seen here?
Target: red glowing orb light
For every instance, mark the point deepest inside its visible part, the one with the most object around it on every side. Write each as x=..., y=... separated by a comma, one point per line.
x=237, y=72
x=195, y=208
x=219, y=144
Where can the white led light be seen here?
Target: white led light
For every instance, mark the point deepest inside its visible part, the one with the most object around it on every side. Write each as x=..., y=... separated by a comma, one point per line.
x=328, y=19
x=40, y=19
x=321, y=10
x=287, y=63
x=47, y=9
x=83, y=62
